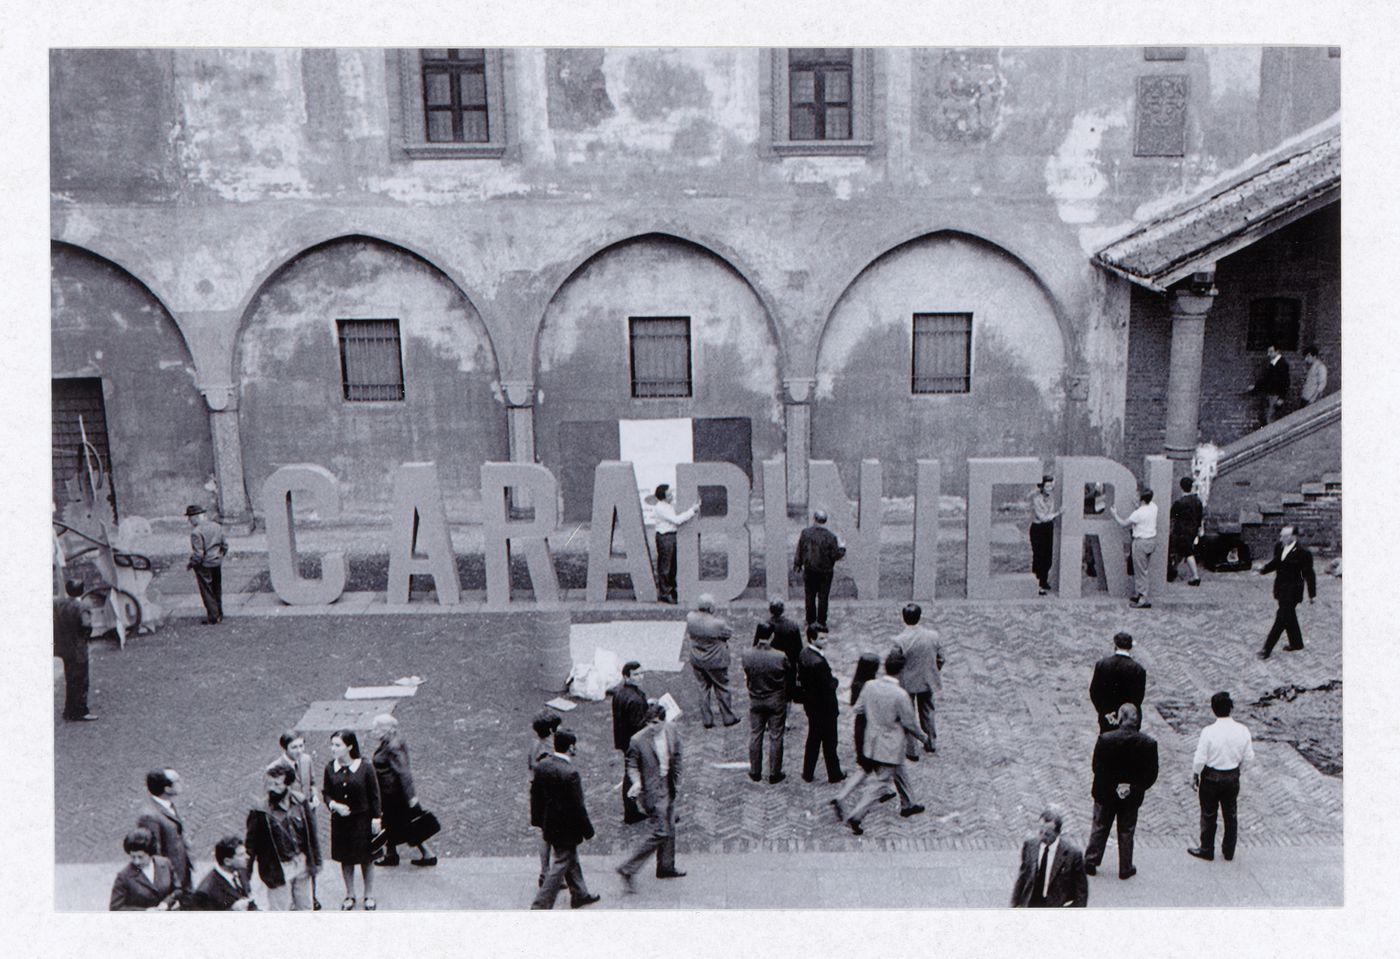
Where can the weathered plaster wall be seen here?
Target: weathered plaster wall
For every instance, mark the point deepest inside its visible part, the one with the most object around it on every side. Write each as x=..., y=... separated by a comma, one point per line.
x=1303, y=261
x=584, y=360
x=106, y=325
x=864, y=407
x=292, y=409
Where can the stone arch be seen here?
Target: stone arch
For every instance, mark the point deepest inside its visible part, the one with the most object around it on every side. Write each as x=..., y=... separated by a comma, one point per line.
x=292, y=407
x=108, y=325
x=864, y=404
x=583, y=372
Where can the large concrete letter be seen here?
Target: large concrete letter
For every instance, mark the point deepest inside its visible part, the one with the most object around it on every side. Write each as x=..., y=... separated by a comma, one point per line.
x=731, y=528
x=1076, y=472
x=615, y=501
x=858, y=529
x=982, y=476
x=927, y=491
x=777, y=553
x=526, y=482
x=317, y=484
x=419, y=519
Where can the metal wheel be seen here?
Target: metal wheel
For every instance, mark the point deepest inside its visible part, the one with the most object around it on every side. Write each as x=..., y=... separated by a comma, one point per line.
x=119, y=601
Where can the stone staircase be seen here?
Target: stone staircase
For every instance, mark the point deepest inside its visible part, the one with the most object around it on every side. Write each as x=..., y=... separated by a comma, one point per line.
x=1316, y=509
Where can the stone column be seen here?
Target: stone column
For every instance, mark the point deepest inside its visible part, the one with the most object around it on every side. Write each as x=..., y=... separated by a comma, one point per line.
x=797, y=421
x=234, y=510
x=520, y=428
x=1188, y=312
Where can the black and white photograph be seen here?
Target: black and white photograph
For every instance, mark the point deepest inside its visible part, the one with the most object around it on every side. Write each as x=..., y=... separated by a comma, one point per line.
x=680, y=473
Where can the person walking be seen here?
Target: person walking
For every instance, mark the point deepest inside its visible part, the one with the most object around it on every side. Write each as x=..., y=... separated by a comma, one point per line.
x=1117, y=679
x=629, y=713
x=398, y=796
x=667, y=522
x=70, y=644
x=1125, y=767
x=923, y=664
x=351, y=791
x=278, y=839
x=1143, y=523
x=889, y=716
x=768, y=675
x=207, y=550
x=818, y=551
x=709, y=658
x=1185, y=531
x=557, y=792
x=544, y=725
x=159, y=816
x=818, y=686
x=1292, y=566
x=654, y=775
x=1315, y=382
x=1052, y=868
x=303, y=791
x=1042, y=531
x=147, y=882
x=1272, y=386
x=1221, y=751
x=867, y=669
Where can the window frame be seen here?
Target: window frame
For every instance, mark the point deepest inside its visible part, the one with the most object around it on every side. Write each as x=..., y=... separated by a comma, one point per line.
x=342, y=324
x=778, y=117
x=413, y=121
x=914, y=334
x=1285, y=346
x=633, y=322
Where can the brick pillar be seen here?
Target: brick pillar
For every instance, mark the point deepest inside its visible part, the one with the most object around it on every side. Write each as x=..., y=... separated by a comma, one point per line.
x=520, y=429
x=222, y=401
x=797, y=421
x=1188, y=312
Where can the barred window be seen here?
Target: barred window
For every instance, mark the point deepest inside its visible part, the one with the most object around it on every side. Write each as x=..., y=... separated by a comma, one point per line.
x=942, y=353
x=1273, y=321
x=454, y=96
x=819, y=93
x=371, y=363
x=660, y=356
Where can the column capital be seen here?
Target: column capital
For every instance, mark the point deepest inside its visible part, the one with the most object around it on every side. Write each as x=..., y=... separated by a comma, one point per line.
x=797, y=390
x=518, y=393
x=220, y=397
x=1189, y=304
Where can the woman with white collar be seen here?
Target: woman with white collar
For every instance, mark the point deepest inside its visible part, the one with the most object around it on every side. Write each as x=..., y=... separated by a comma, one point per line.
x=351, y=791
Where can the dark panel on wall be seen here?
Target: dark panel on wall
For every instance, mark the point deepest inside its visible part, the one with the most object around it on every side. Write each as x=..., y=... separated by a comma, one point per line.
x=727, y=439
x=582, y=446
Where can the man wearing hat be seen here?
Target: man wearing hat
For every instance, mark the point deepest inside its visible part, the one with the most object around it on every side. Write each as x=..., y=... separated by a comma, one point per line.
x=817, y=552
x=207, y=549
x=667, y=522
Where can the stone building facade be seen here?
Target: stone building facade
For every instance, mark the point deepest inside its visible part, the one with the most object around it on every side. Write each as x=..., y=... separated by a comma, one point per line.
x=361, y=257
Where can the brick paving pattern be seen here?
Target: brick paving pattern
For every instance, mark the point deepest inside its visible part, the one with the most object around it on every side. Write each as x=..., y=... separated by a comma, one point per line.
x=1015, y=726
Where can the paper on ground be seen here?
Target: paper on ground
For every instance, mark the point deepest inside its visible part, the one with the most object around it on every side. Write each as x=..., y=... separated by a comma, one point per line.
x=561, y=704
x=379, y=692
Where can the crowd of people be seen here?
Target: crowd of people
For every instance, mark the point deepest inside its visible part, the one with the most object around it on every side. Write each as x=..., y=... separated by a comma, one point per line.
x=373, y=808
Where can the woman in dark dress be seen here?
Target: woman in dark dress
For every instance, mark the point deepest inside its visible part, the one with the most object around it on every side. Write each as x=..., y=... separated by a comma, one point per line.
x=398, y=797
x=351, y=792
x=147, y=882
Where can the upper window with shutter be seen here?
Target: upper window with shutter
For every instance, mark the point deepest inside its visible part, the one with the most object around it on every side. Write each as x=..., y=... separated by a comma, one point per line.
x=942, y=353
x=371, y=360
x=660, y=347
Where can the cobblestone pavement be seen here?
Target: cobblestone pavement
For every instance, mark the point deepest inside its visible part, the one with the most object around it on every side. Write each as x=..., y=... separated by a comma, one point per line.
x=1015, y=726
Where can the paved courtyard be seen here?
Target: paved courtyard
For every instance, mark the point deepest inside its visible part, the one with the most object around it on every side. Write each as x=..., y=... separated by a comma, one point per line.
x=1015, y=727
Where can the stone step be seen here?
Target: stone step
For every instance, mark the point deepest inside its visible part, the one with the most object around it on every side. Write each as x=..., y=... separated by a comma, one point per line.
x=1292, y=499
x=1332, y=479
x=1250, y=518
x=1314, y=489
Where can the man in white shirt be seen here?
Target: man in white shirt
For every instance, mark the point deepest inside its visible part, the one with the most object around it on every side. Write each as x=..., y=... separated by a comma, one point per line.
x=667, y=522
x=1143, y=522
x=1223, y=748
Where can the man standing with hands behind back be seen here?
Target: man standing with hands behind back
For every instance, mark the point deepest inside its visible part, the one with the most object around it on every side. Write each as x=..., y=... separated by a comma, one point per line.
x=207, y=550
x=1118, y=679
x=818, y=551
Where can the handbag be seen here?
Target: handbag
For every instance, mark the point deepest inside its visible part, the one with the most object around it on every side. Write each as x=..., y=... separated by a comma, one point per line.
x=422, y=826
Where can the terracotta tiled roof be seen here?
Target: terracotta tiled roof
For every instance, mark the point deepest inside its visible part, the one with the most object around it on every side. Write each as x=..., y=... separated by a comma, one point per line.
x=1231, y=214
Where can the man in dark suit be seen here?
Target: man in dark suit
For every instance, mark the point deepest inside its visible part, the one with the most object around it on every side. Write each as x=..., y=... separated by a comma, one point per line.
x=1052, y=869
x=1125, y=767
x=1118, y=679
x=787, y=635
x=557, y=792
x=225, y=888
x=159, y=815
x=1272, y=387
x=629, y=710
x=1292, y=567
x=817, y=553
x=768, y=674
x=70, y=644
x=654, y=771
x=819, y=701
